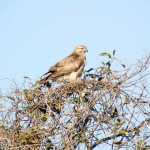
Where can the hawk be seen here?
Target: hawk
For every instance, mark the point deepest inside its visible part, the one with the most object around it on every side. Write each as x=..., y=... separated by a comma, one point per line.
x=68, y=69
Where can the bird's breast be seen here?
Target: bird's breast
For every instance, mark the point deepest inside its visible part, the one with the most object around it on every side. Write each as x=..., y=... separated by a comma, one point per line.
x=73, y=76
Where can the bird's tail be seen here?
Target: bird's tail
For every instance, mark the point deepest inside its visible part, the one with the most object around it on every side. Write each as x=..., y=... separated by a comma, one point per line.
x=45, y=79
x=42, y=81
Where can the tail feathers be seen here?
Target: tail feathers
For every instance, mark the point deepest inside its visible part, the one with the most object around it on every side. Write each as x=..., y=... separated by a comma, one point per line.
x=47, y=73
x=42, y=81
x=46, y=77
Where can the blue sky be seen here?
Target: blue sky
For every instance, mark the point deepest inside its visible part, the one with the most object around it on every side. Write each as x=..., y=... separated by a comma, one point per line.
x=35, y=34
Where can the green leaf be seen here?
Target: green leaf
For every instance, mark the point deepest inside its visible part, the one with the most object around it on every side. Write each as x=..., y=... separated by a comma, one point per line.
x=119, y=123
x=109, y=55
x=27, y=77
x=123, y=132
x=123, y=65
x=108, y=63
x=11, y=98
x=87, y=93
x=90, y=70
x=46, y=115
x=76, y=99
x=100, y=78
x=114, y=52
x=103, y=54
x=32, y=141
x=92, y=75
x=48, y=146
x=117, y=142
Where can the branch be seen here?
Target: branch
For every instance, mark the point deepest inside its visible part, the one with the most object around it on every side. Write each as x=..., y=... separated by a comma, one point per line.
x=118, y=135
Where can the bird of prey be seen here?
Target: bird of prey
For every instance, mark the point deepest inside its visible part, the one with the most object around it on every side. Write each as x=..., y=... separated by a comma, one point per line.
x=68, y=69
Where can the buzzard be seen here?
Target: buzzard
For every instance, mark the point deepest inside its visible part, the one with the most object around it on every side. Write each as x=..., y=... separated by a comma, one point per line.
x=68, y=69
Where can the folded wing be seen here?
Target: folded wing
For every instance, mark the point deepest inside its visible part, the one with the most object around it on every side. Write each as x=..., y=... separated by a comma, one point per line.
x=72, y=63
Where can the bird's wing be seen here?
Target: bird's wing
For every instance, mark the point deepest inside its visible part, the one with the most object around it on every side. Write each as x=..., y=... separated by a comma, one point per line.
x=69, y=64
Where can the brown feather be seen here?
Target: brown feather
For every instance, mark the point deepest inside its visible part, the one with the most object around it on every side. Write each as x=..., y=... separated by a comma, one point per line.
x=64, y=69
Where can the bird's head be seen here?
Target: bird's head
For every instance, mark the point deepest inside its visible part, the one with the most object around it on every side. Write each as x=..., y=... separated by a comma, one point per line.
x=80, y=50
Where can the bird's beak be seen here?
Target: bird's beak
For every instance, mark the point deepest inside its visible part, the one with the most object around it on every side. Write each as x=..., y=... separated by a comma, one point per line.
x=86, y=50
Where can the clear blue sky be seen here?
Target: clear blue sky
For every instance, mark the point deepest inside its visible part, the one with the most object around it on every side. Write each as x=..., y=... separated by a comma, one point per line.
x=34, y=34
